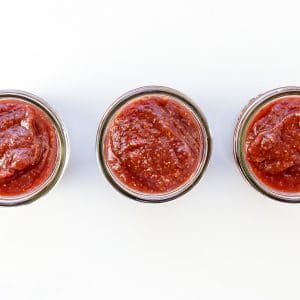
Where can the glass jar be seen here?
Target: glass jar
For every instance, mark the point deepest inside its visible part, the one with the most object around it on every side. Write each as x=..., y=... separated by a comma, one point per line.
x=186, y=103
x=62, y=149
x=246, y=117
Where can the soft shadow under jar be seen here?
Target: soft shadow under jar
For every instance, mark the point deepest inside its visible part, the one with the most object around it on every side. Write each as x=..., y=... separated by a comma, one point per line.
x=34, y=147
x=153, y=144
x=267, y=143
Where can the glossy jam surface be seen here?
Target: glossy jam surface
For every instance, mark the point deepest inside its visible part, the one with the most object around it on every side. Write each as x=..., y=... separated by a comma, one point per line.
x=273, y=144
x=154, y=144
x=28, y=147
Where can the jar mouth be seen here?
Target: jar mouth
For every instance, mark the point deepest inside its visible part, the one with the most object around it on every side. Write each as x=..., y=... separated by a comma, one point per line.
x=63, y=149
x=201, y=122
x=246, y=117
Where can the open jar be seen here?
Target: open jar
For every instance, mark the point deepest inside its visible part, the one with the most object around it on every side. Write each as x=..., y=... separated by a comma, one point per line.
x=153, y=144
x=34, y=147
x=267, y=143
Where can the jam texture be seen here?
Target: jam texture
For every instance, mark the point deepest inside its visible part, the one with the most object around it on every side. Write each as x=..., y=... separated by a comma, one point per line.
x=273, y=144
x=153, y=144
x=28, y=147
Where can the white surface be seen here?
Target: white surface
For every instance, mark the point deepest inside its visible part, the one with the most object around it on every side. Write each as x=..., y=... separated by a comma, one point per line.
x=85, y=241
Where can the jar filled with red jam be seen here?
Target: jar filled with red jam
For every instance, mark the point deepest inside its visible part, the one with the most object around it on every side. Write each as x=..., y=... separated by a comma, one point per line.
x=267, y=143
x=153, y=144
x=33, y=147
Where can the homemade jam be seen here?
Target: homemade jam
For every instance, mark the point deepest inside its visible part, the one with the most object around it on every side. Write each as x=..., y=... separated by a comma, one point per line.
x=153, y=144
x=272, y=144
x=28, y=147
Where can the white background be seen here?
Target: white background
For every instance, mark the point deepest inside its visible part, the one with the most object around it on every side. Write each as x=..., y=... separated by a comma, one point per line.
x=223, y=240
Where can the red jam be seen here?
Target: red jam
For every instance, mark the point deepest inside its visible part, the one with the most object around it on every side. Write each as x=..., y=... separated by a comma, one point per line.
x=28, y=147
x=273, y=144
x=154, y=144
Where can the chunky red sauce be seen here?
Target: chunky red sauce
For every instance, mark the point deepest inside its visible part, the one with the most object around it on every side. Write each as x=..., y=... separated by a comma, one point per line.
x=273, y=144
x=154, y=144
x=28, y=147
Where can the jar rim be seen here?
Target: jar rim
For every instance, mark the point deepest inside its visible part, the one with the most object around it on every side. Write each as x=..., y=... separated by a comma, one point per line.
x=244, y=120
x=203, y=126
x=62, y=155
